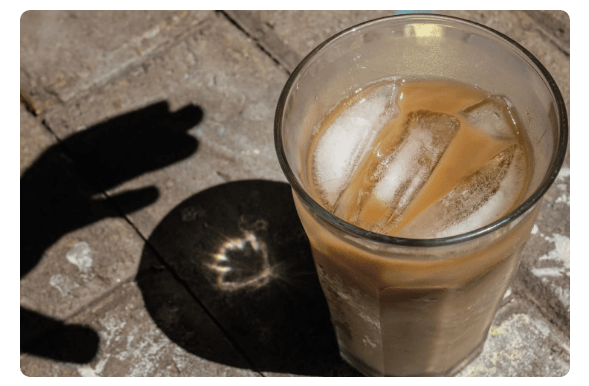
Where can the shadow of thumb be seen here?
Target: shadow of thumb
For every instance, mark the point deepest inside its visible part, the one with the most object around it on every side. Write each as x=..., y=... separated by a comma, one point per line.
x=67, y=343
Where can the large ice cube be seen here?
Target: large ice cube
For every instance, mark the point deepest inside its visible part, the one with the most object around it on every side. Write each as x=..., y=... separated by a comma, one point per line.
x=397, y=168
x=483, y=197
x=347, y=140
x=493, y=115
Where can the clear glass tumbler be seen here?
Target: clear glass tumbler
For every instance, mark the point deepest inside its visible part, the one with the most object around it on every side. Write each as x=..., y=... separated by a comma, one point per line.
x=410, y=307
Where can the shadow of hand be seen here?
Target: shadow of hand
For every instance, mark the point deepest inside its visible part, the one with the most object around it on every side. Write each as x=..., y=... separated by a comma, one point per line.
x=55, y=200
x=135, y=143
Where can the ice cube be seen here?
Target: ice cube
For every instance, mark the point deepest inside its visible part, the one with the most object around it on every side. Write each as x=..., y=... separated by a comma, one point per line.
x=398, y=168
x=493, y=115
x=483, y=197
x=347, y=140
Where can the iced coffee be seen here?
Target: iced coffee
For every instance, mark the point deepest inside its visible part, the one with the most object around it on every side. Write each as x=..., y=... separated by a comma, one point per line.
x=419, y=159
x=415, y=159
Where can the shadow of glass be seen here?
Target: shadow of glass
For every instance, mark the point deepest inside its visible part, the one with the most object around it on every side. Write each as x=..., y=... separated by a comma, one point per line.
x=56, y=199
x=241, y=250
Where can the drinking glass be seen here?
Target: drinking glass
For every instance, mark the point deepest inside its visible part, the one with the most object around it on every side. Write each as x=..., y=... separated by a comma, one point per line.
x=414, y=307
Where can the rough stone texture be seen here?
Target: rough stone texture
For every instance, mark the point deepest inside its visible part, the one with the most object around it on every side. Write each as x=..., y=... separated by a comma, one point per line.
x=521, y=343
x=544, y=273
x=74, y=245
x=555, y=25
x=290, y=35
x=63, y=53
x=34, y=139
x=229, y=90
x=131, y=344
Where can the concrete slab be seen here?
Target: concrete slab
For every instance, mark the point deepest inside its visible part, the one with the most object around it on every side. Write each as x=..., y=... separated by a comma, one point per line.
x=290, y=35
x=521, y=343
x=34, y=139
x=555, y=25
x=131, y=344
x=74, y=245
x=64, y=53
x=199, y=115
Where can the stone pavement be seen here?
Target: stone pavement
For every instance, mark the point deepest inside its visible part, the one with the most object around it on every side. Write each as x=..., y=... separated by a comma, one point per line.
x=147, y=162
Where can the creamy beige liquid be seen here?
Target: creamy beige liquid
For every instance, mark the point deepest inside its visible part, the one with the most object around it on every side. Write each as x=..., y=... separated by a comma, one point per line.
x=464, y=151
x=416, y=311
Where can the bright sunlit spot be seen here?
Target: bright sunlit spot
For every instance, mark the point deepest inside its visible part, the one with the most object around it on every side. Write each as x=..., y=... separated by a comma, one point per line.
x=242, y=262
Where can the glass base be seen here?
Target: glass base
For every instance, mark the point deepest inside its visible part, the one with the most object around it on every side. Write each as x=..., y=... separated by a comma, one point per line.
x=371, y=372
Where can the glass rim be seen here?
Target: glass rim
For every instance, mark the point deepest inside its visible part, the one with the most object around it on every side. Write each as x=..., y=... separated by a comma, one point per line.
x=552, y=173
